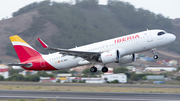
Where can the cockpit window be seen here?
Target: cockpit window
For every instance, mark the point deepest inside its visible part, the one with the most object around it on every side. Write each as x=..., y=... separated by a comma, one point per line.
x=160, y=33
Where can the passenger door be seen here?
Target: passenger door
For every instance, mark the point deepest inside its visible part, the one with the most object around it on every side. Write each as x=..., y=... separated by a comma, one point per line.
x=149, y=37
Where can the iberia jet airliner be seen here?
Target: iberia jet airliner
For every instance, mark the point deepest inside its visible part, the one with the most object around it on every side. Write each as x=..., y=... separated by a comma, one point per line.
x=118, y=50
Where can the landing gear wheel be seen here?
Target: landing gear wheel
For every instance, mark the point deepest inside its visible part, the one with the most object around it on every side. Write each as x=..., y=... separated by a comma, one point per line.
x=155, y=56
x=93, y=69
x=154, y=52
x=104, y=69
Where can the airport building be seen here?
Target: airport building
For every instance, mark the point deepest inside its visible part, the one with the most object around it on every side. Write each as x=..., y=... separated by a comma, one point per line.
x=4, y=71
x=47, y=79
x=64, y=77
x=158, y=69
x=155, y=77
x=122, y=78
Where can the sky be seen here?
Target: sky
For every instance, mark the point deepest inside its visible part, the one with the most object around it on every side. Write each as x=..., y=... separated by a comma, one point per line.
x=168, y=8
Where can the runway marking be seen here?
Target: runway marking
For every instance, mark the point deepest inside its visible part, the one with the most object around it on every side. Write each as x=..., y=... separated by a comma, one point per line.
x=76, y=98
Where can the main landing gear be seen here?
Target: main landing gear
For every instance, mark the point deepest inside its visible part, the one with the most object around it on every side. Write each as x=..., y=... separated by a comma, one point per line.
x=154, y=52
x=104, y=69
x=93, y=69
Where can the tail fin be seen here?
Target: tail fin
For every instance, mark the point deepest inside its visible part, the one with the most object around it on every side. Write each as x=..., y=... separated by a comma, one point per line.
x=23, y=49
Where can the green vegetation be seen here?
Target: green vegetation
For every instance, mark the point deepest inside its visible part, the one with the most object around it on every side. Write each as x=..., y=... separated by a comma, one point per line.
x=132, y=76
x=136, y=77
x=72, y=24
x=178, y=69
x=35, y=28
x=115, y=81
x=60, y=71
x=178, y=78
x=138, y=18
x=16, y=77
x=34, y=77
x=1, y=78
x=12, y=71
x=120, y=70
x=30, y=7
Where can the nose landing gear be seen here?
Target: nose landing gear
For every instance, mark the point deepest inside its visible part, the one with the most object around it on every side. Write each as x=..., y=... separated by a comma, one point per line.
x=155, y=56
x=154, y=52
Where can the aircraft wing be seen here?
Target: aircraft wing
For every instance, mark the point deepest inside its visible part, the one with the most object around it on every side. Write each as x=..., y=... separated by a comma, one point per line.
x=82, y=54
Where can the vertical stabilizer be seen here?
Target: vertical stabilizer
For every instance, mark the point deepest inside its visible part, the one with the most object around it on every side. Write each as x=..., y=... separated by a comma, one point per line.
x=23, y=49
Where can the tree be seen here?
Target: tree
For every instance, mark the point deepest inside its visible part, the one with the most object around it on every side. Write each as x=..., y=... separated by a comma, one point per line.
x=34, y=78
x=144, y=78
x=87, y=73
x=44, y=74
x=120, y=70
x=115, y=81
x=106, y=79
x=134, y=76
x=74, y=73
x=60, y=71
x=178, y=69
x=1, y=78
x=87, y=4
x=178, y=78
x=16, y=77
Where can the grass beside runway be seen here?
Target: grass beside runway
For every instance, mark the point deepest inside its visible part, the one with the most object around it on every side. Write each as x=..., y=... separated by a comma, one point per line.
x=90, y=88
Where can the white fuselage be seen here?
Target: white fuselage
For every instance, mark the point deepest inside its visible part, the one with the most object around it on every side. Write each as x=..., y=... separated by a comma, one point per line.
x=133, y=43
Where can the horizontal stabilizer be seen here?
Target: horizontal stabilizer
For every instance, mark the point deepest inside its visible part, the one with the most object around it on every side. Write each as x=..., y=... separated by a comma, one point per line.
x=16, y=64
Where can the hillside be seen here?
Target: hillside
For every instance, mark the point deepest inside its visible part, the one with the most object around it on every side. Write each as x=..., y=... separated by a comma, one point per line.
x=66, y=26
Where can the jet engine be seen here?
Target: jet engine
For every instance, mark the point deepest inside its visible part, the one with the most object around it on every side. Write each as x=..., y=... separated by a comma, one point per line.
x=127, y=59
x=111, y=56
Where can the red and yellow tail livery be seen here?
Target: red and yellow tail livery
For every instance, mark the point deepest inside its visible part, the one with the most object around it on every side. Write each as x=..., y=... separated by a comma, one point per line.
x=23, y=49
x=30, y=58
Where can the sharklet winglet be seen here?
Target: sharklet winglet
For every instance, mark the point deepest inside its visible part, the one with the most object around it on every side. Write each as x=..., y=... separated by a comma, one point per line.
x=42, y=43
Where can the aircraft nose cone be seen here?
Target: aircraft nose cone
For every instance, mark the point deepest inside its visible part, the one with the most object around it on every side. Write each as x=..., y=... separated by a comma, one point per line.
x=173, y=37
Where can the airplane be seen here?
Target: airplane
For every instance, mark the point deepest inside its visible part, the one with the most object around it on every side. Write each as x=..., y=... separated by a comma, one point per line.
x=117, y=50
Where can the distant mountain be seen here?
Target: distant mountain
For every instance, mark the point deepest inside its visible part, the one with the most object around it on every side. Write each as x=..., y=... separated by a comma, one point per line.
x=65, y=26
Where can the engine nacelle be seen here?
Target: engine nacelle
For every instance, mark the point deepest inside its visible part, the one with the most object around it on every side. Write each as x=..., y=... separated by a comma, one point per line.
x=127, y=59
x=17, y=68
x=111, y=56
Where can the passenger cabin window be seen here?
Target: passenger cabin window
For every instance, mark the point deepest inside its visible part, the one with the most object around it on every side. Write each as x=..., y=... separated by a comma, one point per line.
x=160, y=33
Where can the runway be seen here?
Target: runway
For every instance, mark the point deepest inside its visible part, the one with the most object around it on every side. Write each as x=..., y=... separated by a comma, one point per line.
x=87, y=96
x=85, y=84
